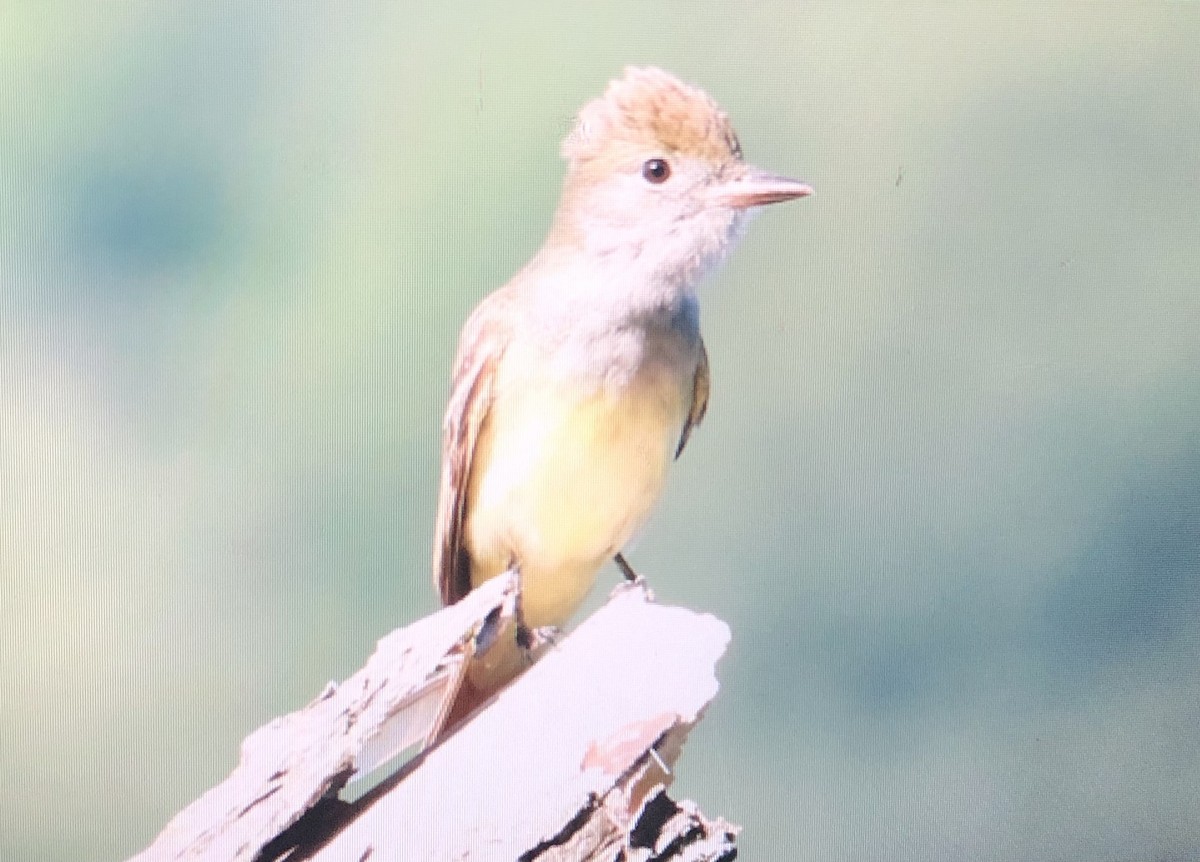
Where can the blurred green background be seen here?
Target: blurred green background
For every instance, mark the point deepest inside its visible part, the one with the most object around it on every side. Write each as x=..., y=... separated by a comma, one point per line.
x=947, y=496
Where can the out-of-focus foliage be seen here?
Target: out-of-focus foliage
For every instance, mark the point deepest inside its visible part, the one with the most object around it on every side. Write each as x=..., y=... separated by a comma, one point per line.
x=948, y=493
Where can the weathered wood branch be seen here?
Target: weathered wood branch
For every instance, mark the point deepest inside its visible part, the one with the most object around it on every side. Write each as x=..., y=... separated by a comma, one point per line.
x=569, y=762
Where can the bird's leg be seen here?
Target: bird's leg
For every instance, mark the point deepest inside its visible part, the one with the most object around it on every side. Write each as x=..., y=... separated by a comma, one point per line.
x=530, y=640
x=626, y=569
x=633, y=581
x=524, y=635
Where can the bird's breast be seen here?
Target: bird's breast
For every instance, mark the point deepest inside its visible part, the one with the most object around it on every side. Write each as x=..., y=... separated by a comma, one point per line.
x=567, y=468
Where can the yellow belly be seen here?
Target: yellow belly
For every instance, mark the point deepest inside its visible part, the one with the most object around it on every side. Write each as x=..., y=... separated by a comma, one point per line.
x=562, y=480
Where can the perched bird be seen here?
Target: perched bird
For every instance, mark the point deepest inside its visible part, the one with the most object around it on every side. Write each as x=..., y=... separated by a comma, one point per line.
x=578, y=382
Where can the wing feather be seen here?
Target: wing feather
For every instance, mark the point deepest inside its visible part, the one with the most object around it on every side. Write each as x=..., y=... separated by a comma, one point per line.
x=480, y=348
x=700, y=386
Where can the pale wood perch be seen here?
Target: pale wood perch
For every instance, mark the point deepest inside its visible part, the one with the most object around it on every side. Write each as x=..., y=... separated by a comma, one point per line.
x=570, y=762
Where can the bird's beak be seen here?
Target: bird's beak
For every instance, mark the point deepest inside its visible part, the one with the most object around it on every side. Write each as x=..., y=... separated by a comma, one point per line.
x=756, y=188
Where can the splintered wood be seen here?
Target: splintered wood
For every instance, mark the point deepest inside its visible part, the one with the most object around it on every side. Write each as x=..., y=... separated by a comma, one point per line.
x=569, y=762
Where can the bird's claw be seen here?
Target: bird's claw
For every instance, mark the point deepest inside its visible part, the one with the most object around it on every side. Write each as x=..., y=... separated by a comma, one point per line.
x=532, y=641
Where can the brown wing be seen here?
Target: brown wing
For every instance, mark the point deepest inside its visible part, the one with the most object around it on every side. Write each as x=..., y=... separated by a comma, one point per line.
x=699, y=399
x=479, y=351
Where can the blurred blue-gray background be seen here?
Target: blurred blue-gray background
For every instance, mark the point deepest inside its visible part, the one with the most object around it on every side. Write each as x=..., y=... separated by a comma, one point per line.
x=947, y=496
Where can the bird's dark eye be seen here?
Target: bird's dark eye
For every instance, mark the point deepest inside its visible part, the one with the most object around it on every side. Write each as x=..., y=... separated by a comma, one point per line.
x=656, y=171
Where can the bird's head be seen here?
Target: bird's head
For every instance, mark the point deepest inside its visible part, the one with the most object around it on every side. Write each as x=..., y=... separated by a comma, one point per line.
x=656, y=181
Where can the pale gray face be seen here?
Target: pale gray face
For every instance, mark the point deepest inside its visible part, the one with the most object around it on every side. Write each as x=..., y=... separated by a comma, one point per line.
x=658, y=216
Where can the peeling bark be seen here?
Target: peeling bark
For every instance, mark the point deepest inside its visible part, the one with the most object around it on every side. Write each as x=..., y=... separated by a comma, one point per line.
x=569, y=762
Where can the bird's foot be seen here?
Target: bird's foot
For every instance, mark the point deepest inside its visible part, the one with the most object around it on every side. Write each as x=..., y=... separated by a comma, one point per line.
x=633, y=581
x=533, y=640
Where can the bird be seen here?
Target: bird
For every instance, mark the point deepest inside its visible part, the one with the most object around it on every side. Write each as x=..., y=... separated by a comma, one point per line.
x=577, y=383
